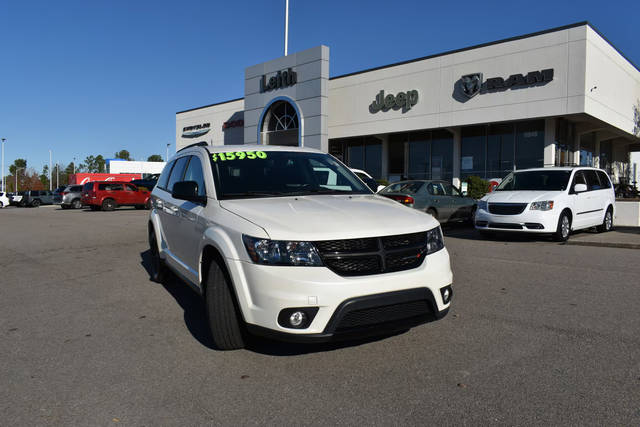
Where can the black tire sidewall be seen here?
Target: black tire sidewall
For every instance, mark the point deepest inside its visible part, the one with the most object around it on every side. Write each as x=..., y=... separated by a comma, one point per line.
x=225, y=323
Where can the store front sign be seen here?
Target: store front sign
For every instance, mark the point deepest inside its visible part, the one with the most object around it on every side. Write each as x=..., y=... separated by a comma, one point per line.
x=196, y=130
x=471, y=84
x=281, y=80
x=404, y=100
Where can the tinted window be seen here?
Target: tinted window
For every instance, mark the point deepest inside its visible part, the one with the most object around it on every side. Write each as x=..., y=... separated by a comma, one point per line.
x=540, y=180
x=88, y=186
x=593, y=182
x=162, y=181
x=76, y=188
x=604, y=180
x=194, y=173
x=436, y=189
x=129, y=187
x=403, y=187
x=177, y=172
x=578, y=178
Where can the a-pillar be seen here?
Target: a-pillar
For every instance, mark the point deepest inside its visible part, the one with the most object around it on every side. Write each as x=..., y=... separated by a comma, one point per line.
x=457, y=139
x=549, y=142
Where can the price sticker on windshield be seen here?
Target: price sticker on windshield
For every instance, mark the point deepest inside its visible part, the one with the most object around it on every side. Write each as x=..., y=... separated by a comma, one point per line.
x=238, y=155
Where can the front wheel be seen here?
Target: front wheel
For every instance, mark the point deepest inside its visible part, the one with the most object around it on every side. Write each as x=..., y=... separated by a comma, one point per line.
x=76, y=204
x=158, y=268
x=563, y=229
x=35, y=203
x=607, y=223
x=225, y=322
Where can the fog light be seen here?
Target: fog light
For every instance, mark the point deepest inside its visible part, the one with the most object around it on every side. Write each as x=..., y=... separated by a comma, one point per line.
x=297, y=318
x=446, y=293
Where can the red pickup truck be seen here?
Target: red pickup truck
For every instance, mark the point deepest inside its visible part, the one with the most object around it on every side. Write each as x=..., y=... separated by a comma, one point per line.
x=108, y=195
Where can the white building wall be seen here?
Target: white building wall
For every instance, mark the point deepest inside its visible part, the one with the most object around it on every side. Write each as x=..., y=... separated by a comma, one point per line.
x=135, y=167
x=216, y=116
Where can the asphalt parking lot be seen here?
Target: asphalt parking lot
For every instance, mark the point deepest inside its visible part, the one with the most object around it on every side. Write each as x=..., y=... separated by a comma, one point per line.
x=539, y=334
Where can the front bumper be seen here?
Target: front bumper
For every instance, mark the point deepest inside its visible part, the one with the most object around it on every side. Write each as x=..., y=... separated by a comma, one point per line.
x=529, y=221
x=263, y=291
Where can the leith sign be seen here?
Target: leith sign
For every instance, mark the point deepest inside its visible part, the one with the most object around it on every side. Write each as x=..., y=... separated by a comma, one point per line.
x=281, y=79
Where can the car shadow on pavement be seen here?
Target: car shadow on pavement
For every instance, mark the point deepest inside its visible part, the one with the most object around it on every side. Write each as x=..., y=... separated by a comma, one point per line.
x=470, y=233
x=195, y=319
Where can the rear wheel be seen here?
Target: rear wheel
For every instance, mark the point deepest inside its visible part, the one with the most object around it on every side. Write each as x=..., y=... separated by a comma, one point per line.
x=76, y=204
x=159, y=270
x=607, y=223
x=108, y=205
x=223, y=314
x=35, y=203
x=564, y=228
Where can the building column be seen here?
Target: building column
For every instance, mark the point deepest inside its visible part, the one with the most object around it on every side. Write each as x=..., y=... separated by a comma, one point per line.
x=596, y=150
x=576, y=149
x=549, y=142
x=457, y=140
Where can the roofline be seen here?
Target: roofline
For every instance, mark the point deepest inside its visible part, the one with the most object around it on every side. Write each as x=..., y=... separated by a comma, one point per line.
x=210, y=105
x=449, y=52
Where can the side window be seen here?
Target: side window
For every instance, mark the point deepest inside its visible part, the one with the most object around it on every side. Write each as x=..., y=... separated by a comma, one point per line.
x=129, y=187
x=194, y=173
x=164, y=177
x=103, y=187
x=593, y=183
x=578, y=178
x=604, y=179
x=177, y=172
x=88, y=186
x=448, y=189
x=115, y=187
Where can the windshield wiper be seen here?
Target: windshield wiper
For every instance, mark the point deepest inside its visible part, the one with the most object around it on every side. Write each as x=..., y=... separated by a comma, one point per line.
x=249, y=194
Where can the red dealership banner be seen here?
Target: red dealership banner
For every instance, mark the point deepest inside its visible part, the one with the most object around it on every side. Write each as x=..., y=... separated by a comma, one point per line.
x=83, y=178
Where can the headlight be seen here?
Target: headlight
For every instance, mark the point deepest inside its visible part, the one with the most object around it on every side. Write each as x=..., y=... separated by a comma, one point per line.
x=435, y=242
x=547, y=205
x=281, y=252
x=482, y=204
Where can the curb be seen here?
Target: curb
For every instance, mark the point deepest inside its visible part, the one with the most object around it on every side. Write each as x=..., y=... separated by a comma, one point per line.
x=605, y=244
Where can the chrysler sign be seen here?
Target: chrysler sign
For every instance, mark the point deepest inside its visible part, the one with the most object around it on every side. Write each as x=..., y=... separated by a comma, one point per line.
x=471, y=84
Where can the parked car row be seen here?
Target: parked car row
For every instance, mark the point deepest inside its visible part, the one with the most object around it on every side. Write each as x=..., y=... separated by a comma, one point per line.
x=97, y=195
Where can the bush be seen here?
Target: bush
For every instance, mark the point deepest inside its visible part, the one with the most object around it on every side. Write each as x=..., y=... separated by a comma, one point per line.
x=477, y=187
x=382, y=182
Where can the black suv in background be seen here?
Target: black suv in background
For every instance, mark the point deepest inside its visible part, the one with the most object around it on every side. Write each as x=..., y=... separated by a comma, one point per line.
x=35, y=198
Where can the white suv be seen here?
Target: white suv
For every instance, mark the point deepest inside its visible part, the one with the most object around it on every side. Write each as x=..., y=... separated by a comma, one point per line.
x=276, y=249
x=549, y=200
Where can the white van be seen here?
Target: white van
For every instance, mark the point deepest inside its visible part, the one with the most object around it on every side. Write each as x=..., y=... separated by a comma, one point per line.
x=549, y=200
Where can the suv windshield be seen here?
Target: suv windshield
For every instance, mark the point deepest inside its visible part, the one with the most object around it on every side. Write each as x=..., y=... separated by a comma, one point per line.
x=536, y=181
x=247, y=174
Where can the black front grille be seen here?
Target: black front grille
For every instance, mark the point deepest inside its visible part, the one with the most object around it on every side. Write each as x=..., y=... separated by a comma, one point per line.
x=367, y=317
x=507, y=208
x=505, y=225
x=374, y=255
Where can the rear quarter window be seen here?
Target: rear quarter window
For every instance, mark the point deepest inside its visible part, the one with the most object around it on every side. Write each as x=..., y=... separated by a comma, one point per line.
x=604, y=179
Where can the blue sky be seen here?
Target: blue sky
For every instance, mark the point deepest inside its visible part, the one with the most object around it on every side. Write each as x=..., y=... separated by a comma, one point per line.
x=94, y=77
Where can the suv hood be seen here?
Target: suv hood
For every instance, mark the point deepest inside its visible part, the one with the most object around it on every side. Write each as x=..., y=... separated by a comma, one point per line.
x=328, y=217
x=520, y=196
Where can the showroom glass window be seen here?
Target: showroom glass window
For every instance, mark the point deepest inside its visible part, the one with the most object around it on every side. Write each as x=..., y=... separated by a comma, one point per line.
x=500, y=145
x=530, y=144
x=396, y=153
x=473, y=151
x=587, y=149
x=441, y=155
x=419, y=155
x=606, y=153
x=363, y=153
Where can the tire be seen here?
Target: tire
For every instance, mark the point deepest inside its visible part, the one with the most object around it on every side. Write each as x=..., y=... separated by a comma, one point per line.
x=225, y=322
x=138, y=207
x=1, y=205
x=159, y=270
x=607, y=222
x=76, y=204
x=22, y=204
x=94, y=208
x=147, y=204
x=35, y=203
x=472, y=215
x=108, y=205
x=64, y=207
x=432, y=212
x=564, y=228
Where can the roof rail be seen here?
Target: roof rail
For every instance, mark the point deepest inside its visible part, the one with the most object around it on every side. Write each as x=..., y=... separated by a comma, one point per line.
x=197, y=144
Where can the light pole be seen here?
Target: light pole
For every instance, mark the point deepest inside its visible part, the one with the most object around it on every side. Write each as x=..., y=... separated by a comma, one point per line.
x=74, y=165
x=166, y=159
x=4, y=185
x=17, y=170
x=50, y=171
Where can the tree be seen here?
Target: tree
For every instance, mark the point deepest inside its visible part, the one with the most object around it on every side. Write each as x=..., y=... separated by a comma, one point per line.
x=94, y=164
x=155, y=158
x=124, y=155
x=44, y=177
x=17, y=163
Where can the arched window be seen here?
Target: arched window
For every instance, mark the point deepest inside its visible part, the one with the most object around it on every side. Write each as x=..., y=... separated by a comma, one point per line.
x=280, y=125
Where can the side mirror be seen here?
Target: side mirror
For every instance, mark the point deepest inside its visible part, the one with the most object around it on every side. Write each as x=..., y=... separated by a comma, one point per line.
x=580, y=188
x=187, y=190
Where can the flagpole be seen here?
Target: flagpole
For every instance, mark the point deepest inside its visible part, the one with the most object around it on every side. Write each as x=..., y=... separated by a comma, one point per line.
x=286, y=27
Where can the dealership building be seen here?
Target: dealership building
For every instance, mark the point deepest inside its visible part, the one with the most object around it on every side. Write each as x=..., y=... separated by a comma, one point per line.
x=563, y=96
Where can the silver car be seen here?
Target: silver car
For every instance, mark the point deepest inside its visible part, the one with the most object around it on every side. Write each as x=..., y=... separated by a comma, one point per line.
x=439, y=198
x=70, y=197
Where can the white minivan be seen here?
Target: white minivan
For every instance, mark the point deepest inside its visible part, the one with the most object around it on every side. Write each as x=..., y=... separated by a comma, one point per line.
x=549, y=200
